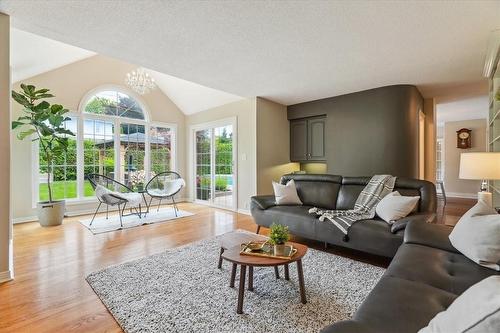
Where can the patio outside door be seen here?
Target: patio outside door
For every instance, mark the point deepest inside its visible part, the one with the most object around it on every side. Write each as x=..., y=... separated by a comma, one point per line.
x=215, y=179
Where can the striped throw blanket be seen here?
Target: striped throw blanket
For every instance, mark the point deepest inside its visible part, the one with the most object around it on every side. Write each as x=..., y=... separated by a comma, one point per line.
x=364, y=208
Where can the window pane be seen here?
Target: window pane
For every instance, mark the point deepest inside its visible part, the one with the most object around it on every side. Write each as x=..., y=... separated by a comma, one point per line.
x=114, y=103
x=203, y=172
x=63, y=169
x=132, y=154
x=98, y=150
x=160, y=140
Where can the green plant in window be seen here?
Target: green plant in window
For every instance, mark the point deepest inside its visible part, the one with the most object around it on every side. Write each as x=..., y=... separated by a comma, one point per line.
x=221, y=183
x=46, y=122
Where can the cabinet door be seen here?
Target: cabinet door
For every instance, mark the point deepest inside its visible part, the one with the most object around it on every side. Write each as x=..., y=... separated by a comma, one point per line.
x=298, y=140
x=316, y=139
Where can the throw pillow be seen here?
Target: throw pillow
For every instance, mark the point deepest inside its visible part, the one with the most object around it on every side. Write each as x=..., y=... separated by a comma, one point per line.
x=286, y=194
x=477, y=235
x=477, y=310
x=395, y=206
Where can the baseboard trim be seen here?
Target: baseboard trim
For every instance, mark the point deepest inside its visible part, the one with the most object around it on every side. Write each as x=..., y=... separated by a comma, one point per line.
x=6, y=276
x=72, y=213
x=244, y=211
x=25, y=219
x=461, y=195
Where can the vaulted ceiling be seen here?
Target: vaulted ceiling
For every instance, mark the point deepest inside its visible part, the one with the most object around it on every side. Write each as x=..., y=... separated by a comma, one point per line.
x=32, y=55
x=287, y=51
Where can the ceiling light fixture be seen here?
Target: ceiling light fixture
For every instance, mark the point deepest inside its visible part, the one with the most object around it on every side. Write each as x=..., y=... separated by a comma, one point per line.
x=140, y=81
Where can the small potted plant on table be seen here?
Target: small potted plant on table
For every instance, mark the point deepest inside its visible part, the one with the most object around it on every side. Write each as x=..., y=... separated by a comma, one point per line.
x=278, y=236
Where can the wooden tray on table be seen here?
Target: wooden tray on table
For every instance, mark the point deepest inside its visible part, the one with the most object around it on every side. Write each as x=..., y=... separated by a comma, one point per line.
x=264, y=249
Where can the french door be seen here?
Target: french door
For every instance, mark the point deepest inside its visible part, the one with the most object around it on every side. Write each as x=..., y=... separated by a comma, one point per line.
x=214, y=171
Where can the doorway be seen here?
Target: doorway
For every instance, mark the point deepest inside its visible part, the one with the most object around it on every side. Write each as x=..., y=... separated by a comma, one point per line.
x=214, y=172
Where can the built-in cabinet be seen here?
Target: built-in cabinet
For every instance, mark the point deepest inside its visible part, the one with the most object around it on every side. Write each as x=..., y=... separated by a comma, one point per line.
x=307, y=139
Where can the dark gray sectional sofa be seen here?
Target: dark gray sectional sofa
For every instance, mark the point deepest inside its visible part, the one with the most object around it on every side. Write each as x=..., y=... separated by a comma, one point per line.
x=426, y=273
x=336, y=192
x=424, y=278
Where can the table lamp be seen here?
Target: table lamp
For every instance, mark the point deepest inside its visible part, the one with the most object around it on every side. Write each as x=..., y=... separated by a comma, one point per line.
x=480, y=166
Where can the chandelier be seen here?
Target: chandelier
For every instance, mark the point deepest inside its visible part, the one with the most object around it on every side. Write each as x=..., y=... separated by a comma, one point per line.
x=140, y=81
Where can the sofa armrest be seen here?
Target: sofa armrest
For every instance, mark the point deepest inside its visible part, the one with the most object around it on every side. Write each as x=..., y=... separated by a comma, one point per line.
x=429, y=234
x=264, y=201
x=348, y=326
x=402, y=223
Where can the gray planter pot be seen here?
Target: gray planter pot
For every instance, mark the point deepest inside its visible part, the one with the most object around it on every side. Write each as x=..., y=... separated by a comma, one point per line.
x=50, y=213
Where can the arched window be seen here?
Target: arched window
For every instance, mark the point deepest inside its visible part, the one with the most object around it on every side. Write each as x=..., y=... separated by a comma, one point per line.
x=114, y=103
x=114, y=137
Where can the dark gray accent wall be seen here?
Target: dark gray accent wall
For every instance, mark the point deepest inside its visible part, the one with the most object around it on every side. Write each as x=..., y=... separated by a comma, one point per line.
x=369, y=132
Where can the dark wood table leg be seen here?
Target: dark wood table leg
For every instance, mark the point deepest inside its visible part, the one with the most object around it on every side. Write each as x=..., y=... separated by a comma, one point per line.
x=250, y=278
x=301, y=282
x=241, y=293
x=276, y=272
x=219, y=266
x=287, y=273
x=233, y=276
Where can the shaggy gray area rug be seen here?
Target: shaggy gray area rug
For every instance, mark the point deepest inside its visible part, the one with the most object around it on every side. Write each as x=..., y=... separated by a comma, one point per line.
x=181, y=290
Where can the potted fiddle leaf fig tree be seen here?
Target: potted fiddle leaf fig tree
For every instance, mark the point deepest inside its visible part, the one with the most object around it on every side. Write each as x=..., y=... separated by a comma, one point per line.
x=278, y=236
x=44, y=123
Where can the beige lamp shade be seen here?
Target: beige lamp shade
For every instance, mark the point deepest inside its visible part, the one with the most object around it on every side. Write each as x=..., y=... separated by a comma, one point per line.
x=479, y=166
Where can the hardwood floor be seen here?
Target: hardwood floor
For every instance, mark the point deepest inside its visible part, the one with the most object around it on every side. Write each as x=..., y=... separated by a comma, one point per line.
x=50, y=294
x=454, y=209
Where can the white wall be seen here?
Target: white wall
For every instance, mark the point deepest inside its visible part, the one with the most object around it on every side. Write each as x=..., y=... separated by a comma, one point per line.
x=5, y=207
x=273, y=145
x=262, y=132
x=454, y=186
x=244, y=111
x=69, y=84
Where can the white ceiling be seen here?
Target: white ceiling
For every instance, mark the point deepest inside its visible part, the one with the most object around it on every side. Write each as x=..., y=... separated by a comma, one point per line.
x=287, y=51
x=50, y=54
x=31, y=55
x=467, y=109
x=191, y=97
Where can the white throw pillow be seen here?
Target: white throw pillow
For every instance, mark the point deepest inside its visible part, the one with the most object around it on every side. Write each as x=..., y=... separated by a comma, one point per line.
x=477, y=310
x=286, y=194
x=477, y=235
x=395, y=206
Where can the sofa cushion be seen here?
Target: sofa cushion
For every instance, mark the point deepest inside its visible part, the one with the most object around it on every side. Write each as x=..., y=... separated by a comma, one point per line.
x=316, y=190
x=477, y=310
x=297, y=218
x=399, y=305
x=449, y=271
x=348, y=194
x=372, y=236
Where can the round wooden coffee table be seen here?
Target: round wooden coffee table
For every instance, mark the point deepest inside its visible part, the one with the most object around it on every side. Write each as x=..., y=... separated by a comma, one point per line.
x=233, y=255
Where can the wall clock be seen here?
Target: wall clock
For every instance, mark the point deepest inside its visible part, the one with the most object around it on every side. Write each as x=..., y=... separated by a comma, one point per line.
x=464, y=138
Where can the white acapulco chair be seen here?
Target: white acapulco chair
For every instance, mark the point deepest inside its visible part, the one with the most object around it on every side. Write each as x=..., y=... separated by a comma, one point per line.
x=164, y=186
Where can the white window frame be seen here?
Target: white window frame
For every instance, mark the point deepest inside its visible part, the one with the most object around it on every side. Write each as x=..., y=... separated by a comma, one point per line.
x=81, y=116
x=441, y=140
x=233, y=121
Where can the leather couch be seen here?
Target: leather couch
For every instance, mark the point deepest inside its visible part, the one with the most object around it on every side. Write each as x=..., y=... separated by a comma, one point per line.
x=424, y=278
x=336, y=192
